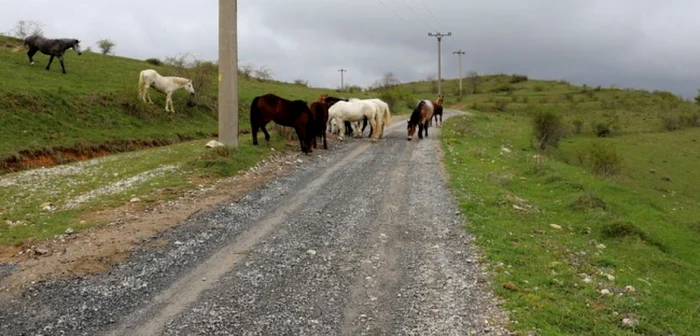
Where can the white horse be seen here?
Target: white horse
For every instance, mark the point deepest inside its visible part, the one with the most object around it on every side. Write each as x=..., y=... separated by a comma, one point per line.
x=165, y=84
x=353, y=111
x=383, y=115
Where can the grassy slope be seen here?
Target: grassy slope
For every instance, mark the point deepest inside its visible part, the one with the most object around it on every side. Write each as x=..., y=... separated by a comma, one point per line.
x=96, y=102
x=647, y=220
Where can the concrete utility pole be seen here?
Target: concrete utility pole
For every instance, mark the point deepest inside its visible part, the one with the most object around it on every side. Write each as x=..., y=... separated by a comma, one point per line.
x=228, y=73
x=459, y=55
x=342, y=82
x=439, y=39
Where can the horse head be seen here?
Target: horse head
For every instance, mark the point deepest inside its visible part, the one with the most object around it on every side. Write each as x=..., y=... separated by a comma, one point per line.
x=189, y=87
x=322, y=98
x=76, y=47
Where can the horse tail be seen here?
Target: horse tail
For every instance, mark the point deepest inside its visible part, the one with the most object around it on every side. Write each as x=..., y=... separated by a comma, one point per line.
x=387, y=116
x=254, y=111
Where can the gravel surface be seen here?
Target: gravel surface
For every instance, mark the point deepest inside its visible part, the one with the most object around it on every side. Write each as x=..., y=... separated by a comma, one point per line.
x=364, y=240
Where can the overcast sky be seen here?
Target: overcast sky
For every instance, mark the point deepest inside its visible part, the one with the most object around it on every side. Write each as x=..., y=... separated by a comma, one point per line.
x=631, y=43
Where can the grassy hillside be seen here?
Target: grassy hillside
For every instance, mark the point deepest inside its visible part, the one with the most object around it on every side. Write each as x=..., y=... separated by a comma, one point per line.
x=595, y=232
x=47, y=116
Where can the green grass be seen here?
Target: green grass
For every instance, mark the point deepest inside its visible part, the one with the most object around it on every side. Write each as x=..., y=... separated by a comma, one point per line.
x=96, y=103
x=67, y=189
x=644, y=211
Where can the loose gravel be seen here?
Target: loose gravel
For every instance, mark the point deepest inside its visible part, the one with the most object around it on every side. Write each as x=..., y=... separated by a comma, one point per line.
x=365, y=239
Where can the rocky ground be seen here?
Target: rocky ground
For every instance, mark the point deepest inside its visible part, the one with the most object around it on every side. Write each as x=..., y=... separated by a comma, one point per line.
x=365, y=239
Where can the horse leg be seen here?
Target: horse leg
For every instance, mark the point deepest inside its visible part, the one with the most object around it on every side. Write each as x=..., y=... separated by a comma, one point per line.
x=420, y=130
x=440, y=119
x=426, y=130
x=325, y=145
x=63, y=67
x=254, y=132
x=30, y=53
x=341, y=128
x=167, y=103
x=267, y=135
x=373, y=124
x=48, y=66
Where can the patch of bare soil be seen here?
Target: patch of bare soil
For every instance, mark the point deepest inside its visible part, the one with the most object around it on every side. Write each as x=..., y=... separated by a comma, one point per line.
x=97, y=249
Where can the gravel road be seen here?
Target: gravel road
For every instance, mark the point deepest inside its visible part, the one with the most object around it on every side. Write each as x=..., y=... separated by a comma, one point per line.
x=365, y=239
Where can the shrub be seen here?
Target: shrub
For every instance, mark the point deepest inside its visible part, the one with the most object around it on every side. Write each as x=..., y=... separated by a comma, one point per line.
x=502, y=105
x=301, y=82
x=154, y=61
x=548, y=128
x=692, y=119
x=539, y=88
x=395, y=96
x=518, y=79
x=671, y=121
x=604, y=160
x=578, y=126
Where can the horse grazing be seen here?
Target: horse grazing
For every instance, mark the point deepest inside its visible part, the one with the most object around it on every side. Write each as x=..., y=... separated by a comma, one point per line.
x=319, y=112
x=51, y=47
x=348, y=126
x=383, y=116
x=166, y=84
x=438, y=109
x=421, y=116
x=296, y=114
x=353, y=111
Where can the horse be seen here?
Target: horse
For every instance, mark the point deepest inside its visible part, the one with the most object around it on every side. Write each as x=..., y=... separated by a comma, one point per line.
x=166, y=84
x=50, y=47
x=383, y=117
x=348, y=127
x=421, y=116
x=438, y=110
x=319, y=112
x=353, y=111
x=290, y=113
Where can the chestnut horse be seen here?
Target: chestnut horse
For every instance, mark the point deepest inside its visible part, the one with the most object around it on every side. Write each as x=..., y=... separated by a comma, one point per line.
x=319, y=111
x=438, y=110
x=421, y=116
x=290, y=113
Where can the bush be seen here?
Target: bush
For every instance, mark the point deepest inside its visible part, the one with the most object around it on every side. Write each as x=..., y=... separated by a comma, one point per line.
x=578, y=126
x=518, y=79
x=604, y=160
x=548, y=128
x=154, y=61
x=539, y=88
x=395, y=96
x=692, y=119
x=671, y=122
x=301, y=82
x=502, y=105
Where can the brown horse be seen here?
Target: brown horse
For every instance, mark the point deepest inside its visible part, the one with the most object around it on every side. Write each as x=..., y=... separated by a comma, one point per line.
x=438, y=110
x=420, y=117
x=319, y=111
x=284, y=112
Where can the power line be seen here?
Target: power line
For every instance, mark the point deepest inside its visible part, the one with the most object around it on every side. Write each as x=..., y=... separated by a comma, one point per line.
x=429, y=12
x=417, y=16
x=392, y=11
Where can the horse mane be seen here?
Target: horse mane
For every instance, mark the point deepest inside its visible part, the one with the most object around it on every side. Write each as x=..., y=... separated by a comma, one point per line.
x=415, y=115
x=179, y=80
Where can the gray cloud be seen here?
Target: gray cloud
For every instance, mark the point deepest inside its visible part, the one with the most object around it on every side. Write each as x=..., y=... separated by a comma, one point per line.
x=629, y=43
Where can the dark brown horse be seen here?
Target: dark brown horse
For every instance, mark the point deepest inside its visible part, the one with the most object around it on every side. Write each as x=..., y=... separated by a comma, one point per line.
x=319, y=111
x=438, y=109
x=420, y=117
x=290, y=113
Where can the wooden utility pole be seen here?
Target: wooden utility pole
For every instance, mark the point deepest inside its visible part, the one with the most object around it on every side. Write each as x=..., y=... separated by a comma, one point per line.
x=459, y=55
x=228, y=73
x=439, y=39
x=342, y=82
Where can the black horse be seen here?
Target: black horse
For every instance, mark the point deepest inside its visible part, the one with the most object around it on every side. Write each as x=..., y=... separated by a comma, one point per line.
x=51, y=47
x=348, y=127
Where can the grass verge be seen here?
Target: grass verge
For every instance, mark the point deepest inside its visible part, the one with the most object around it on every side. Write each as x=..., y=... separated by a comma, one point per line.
x=575, y=252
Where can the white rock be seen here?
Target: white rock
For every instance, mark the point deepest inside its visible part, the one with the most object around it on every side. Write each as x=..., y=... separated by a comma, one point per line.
x=311, y=252
x=600, y=246
x=629, y=321
x=213, y=143
x=556, y=226
x=135, y=200
x=630, y=289
x=605, y=292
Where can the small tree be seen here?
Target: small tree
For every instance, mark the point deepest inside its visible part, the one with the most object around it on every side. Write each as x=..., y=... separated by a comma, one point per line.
x=697, y=98
x=106, y=46
x=24, y=28
x=263, y=73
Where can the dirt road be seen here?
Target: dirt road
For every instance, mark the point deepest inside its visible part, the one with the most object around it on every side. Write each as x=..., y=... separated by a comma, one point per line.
x=364, y=240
